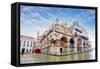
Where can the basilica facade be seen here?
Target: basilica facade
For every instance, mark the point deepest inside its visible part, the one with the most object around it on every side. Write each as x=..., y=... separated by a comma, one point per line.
x=62, y=38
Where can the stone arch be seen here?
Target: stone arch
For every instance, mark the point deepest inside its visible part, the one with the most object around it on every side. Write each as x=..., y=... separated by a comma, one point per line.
x=72, y=41
x=64, y=39
x=79, y=41
x=84, y=44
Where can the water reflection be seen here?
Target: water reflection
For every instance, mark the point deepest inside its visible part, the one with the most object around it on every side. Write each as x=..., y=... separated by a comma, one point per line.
x=39, y=58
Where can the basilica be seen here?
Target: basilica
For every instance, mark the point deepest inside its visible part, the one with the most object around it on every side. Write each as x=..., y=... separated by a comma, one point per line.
x=64, y=38
x=61, y=38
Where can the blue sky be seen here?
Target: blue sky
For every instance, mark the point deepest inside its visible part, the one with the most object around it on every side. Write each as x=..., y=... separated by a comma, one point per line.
x=38, y=19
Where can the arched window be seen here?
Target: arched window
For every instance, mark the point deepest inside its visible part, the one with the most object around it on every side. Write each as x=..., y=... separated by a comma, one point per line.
x=23, y=50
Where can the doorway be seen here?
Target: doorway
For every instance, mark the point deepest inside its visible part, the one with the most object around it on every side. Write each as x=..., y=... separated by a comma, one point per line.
x=23, y=50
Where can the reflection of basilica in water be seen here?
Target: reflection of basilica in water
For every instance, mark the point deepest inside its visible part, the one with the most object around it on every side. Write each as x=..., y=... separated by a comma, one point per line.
x=62, y=38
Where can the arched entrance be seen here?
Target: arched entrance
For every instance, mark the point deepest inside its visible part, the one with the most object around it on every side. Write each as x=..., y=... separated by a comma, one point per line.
x=84, y=44
x=79, y=42
x=71, y=41
x=63, y=40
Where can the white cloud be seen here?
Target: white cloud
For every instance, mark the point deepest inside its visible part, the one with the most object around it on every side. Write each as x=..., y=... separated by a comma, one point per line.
x=35, y=14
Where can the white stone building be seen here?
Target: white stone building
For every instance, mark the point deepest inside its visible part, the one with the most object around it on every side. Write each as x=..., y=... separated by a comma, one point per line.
x=26, y=44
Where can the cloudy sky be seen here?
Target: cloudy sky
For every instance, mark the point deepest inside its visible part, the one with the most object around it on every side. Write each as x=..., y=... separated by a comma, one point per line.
x=38, y=19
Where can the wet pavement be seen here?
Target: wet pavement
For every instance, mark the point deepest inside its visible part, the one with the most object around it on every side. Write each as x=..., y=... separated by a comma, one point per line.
x=40, y=58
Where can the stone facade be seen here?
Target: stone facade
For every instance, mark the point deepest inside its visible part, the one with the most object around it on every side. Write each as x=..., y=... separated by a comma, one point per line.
x=61, y=38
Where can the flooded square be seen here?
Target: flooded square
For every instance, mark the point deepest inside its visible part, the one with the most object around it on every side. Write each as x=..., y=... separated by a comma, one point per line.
x=42, y=58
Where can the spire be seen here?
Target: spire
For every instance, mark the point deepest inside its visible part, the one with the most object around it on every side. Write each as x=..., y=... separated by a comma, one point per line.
x=37, y=35
x=57, y=20
x=65, y=23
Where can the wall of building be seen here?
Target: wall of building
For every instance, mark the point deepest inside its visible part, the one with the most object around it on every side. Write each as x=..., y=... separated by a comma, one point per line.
x=27, y=44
